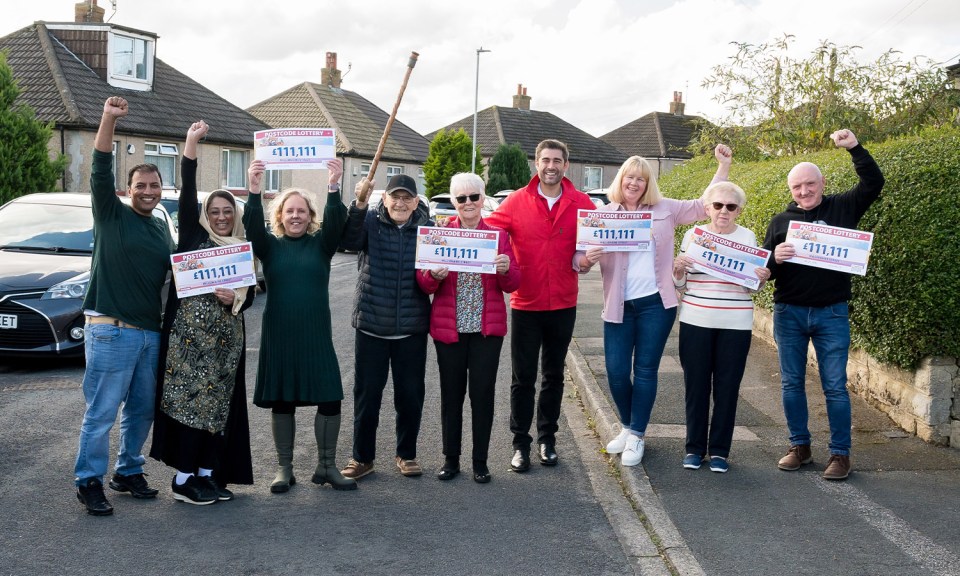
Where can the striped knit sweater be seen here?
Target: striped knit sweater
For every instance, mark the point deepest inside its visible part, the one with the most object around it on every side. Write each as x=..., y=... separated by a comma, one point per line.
x=709, y=302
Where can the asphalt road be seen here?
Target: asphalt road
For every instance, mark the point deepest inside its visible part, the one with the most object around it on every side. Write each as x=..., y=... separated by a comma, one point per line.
x=548, y=521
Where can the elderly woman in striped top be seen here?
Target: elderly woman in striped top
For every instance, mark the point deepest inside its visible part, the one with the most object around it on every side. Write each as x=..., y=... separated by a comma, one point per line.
x=716, y=319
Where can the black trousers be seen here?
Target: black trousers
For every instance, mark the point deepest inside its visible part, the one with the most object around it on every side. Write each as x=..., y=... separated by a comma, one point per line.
x=197, y=448
x=713, y=361
x=542, y=336
x=406, y=358
x=469, y=364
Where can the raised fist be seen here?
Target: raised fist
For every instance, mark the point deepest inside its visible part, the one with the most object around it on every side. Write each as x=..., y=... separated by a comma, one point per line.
x=197, y=131
x=115, y=107
x=844, y=139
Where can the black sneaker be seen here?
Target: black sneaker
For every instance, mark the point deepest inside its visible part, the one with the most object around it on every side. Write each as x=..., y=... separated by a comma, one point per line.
x=194, y=491
x=91, y=495
x=135, y=484
x=221, y=491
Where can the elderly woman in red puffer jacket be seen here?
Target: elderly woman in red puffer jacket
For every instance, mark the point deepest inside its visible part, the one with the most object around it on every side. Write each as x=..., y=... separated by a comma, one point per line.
x=468, y=322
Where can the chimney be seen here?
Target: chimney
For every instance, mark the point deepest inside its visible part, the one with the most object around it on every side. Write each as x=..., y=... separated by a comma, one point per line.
x=676, y=107
x=521, y=101
x=88, y=11
x=330, y=75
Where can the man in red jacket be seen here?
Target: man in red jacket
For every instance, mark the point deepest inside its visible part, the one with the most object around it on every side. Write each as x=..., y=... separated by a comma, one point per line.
x=541, y=219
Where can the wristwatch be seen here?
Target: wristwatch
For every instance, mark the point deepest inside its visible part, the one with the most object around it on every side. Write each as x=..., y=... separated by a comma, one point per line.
x=333, y=188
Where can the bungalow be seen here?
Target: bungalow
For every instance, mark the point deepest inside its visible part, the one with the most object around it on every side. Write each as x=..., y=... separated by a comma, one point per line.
x=358, y=125
x=66, y=70
x=593, y=162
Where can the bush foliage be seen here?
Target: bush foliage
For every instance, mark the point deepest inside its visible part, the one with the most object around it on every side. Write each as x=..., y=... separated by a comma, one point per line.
x=908, y=305
x=508, y=169
x=25, y=164
x=780, y=104
x=450, y=153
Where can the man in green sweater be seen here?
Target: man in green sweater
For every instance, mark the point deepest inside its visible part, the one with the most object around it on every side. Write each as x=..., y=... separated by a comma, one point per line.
x=131, y=257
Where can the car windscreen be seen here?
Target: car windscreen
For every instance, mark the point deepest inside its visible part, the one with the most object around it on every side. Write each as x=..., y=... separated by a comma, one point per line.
x=47, y=227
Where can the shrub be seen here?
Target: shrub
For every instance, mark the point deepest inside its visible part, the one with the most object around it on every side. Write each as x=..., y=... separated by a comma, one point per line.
x=908, y=305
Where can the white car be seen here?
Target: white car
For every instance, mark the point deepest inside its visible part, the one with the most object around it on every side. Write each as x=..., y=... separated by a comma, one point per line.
x=171, y=202
x=599, y=196
x=442, y=205
x=377, y=195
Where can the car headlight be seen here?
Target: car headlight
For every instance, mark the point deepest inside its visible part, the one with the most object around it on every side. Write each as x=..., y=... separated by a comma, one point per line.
x=75, y=287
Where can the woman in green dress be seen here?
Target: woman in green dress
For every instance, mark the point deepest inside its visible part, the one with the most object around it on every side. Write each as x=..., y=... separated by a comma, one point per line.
x=298, y=365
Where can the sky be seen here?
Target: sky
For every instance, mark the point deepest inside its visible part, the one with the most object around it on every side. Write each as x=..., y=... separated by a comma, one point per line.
x=598, y=64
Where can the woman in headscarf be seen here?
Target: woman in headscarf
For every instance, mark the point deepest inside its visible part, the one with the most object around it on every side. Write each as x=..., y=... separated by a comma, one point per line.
x=201, y=427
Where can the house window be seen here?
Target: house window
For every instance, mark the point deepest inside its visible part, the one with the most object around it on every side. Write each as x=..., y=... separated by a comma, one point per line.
x=592, y=177
x=393, y=171
x=421, y=180
x=234, y=169
x=271, y=181
x=130, y=57
x=364, y=169
x=165, y=157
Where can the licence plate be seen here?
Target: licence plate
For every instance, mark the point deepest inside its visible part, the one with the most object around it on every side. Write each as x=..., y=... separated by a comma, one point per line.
x=8, y=321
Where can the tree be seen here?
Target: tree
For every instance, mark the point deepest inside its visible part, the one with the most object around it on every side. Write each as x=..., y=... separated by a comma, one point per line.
x=25, y=160
x=508, y=169
x=450, y=153
x=777, y=104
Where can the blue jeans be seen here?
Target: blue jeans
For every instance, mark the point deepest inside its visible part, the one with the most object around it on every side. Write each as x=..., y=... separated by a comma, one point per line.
x=637, y=343
x=121, y=369
x=829, y=329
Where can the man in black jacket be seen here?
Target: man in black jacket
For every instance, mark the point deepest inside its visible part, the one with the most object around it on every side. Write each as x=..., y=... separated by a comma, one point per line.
x=810, y=304
x=392, y=318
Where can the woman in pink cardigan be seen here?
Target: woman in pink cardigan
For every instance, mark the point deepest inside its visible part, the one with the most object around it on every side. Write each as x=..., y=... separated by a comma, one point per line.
x=468, y=322
x=639, y=299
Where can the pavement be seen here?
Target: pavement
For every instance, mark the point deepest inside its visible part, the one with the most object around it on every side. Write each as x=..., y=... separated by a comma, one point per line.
x=896, y=514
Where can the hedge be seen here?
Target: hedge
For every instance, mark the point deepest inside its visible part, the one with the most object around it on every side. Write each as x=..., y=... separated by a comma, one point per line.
x=907, y=307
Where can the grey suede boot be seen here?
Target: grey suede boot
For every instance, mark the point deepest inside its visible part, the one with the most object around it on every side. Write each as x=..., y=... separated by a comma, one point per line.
x=284, y=428
x=327, y=430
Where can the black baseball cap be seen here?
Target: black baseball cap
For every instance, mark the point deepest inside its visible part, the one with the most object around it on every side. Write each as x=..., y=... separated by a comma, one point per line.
x=402, y=182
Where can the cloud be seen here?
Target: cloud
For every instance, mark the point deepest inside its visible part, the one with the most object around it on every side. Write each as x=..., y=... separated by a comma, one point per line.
x=595, y=63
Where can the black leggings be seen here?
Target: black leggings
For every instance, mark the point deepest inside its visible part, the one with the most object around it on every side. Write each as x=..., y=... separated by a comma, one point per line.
x=324, y=408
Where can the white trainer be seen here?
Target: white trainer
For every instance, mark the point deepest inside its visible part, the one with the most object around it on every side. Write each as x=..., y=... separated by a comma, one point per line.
x=633, y=451
x=617, y=445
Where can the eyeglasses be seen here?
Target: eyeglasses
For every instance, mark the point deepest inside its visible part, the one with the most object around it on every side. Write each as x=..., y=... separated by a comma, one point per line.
x=401, y=197
x=471, y=197
x=720, y=205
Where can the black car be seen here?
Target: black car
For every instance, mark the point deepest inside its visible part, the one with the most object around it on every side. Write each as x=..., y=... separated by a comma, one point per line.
x=46, y=244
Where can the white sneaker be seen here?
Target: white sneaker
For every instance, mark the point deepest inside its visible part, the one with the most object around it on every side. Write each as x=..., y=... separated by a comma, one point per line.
x=617, y=445
x=633, y=452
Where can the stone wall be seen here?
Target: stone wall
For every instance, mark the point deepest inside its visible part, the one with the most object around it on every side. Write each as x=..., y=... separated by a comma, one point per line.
x=925, y=402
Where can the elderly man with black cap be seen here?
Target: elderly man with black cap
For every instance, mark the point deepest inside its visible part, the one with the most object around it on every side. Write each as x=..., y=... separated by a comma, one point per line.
x=392, y=318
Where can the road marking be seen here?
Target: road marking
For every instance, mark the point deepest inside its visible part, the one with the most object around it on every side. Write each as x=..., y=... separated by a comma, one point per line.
x=930, y=555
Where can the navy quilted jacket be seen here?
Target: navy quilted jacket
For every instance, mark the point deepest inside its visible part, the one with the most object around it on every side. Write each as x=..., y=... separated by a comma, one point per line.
x=388, y=299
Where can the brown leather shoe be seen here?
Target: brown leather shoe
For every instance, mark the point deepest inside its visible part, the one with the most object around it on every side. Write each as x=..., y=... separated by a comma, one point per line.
x=357, y=470
x=796, y=457
x=409, y=467
x=838, y=467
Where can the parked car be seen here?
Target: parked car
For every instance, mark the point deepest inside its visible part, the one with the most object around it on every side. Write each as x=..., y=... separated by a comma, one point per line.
x=377, y=195
x=442, y=205
x=599, y=196
x=502, y=195
x=46, y=245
